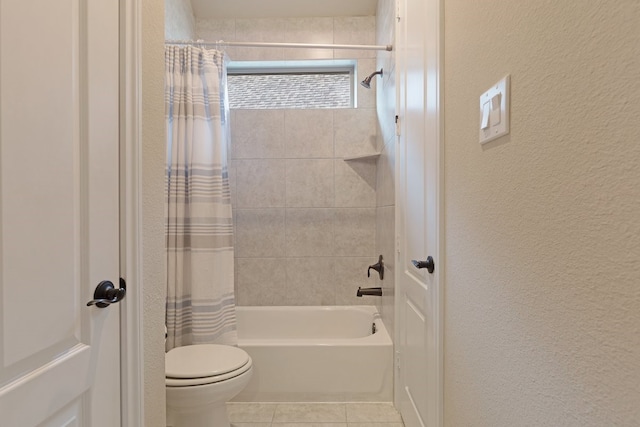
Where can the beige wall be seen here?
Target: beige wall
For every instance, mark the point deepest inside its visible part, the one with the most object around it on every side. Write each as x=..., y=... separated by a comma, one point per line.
x=153, y=152
x=542, y=299
x=179, y=21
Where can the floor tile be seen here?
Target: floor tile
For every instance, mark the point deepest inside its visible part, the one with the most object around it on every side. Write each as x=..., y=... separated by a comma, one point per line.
x=310, y=413
x=375, y=425
x=250, y=424
x=372, y=412
x=309, y=425
x=251, y=413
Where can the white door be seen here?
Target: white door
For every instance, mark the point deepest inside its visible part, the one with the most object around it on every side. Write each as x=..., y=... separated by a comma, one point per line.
x=418, y=361
x=59, y=358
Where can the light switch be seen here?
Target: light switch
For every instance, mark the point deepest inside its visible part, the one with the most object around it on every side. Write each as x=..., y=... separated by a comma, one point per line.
x=494, y=111
x=486, y=108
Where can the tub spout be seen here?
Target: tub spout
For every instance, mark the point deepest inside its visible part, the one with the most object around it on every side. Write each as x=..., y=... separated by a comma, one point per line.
x=369, y=291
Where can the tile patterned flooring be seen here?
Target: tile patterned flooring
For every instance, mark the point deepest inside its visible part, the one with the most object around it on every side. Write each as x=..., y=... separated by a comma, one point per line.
x=378, y=414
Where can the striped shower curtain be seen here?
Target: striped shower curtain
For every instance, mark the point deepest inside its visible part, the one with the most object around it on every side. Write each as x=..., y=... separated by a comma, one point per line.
x=200, y=306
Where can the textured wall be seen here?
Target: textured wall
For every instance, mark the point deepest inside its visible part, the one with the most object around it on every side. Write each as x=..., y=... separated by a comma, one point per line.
x=305, y=219
x=153, y=151
x=385, y=180
x=542, y=305
x=179, y=21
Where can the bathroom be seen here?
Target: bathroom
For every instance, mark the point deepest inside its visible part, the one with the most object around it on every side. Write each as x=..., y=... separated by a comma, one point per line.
x=312, y=189
x=289, y=164
x=540, y=229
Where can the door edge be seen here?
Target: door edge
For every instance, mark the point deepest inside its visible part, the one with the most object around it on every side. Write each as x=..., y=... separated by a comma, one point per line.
x=131, y=325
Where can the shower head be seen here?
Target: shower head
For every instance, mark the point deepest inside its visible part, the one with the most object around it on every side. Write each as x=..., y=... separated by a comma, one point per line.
x=367, y=81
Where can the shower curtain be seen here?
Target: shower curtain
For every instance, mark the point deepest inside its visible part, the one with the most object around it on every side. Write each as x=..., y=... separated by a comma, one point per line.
x=200, y=305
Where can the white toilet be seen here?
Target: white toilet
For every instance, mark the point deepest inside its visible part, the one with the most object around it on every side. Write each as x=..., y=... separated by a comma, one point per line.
x=200, y=380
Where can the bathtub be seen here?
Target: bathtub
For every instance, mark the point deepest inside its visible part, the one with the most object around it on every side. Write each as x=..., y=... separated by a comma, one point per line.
x=316, y=354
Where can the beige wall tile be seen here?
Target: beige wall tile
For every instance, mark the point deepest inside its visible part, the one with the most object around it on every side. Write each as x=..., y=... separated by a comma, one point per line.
x=355, y=183
x=386, y=103
x=260, y=30
x=309, y=232
x=354, y=30
x=354, y=132
x=385, y=245
x=385, y=233
x=257, y=134
x=260, y=233
x=260, y=281
x=385, y=189
x=310, y=183
x=310, y=281
x=179, y=23
x=233, y=182
x=367, y=97
x=212, y=30
x=262, y=139
x=385, y=184
x=261, y=183
x=309, y=30
x=351, y=273
x=355, y=232
x=308, y=134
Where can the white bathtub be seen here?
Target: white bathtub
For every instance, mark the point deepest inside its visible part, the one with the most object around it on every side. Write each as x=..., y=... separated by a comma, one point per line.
x=316, y=354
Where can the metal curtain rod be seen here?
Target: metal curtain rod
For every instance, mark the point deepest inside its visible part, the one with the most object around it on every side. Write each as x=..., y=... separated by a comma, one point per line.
x=284, y=45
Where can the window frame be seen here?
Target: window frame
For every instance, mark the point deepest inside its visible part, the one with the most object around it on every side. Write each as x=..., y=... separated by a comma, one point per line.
x=311, y=66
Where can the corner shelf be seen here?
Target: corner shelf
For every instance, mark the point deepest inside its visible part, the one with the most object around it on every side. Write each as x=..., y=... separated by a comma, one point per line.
x=363, y=157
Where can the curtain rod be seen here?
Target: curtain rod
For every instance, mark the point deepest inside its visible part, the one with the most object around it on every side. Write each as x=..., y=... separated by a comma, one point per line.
x=284, y=45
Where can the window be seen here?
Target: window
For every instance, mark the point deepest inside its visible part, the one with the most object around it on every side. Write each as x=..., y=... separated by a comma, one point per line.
x=283, y=85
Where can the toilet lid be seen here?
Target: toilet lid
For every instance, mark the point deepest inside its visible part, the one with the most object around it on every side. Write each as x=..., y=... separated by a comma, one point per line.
x=204, y=360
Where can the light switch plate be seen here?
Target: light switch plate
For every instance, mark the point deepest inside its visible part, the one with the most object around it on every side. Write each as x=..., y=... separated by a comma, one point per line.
x=500, y=125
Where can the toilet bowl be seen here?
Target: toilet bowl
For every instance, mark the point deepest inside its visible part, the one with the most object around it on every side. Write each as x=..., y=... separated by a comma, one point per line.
x=200, y=380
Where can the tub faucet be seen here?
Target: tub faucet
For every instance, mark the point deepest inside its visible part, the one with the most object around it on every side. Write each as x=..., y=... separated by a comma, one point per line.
x=378, y=266
x=369, y=291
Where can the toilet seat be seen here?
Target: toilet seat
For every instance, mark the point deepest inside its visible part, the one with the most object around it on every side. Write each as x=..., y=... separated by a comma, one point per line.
x=202, y=364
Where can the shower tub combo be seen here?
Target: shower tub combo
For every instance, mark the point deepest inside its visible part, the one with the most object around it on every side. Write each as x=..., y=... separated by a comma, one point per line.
x=316, y=354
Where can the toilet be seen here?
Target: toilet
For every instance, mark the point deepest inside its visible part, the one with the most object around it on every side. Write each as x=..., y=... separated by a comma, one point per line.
x=200, y=380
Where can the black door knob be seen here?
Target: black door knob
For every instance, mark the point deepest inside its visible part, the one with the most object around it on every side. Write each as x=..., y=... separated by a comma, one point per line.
x=428, y=264
x=107, y=294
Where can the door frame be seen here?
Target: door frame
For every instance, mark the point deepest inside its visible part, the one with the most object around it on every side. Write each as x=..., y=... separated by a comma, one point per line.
x=131, y=325
x=434, y=130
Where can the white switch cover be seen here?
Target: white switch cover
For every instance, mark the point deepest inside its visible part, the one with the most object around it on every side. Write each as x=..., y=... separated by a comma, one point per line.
x=497, y=122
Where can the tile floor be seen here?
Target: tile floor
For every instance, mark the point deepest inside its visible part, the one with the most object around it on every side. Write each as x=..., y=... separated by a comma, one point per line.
x=313, y=415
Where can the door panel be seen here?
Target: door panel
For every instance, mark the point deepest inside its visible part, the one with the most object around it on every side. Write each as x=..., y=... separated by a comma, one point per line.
x=38, y=182
x=416, y=346
x=66, y=417
x=413, y=285
x=58, y=212
x=417, y=300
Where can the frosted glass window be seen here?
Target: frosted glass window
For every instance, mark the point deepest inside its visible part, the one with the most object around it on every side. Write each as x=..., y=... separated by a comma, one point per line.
x=290, y=90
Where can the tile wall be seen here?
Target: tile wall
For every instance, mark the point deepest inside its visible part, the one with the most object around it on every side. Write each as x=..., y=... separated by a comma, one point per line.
x=179, y=23
x=305, y=218
x=386, y=142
